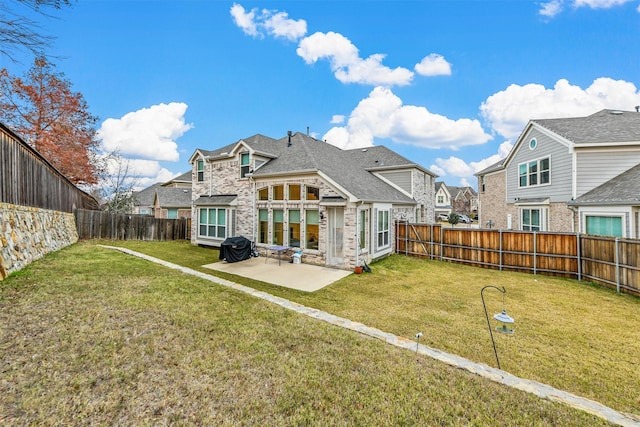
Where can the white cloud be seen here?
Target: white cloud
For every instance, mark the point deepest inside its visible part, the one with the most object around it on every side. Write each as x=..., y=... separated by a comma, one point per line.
x=382, y=115
x=508, y=111
x=456, y=167
x=149, y=133
x=277, y=24
x=337, y=119
x=244, y=20
x=433, y=65
x=600, y=4
x=346, y=63
x=551, y=8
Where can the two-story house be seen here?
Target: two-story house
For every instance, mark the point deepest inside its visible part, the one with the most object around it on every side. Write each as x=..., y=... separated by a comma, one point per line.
x=337, y=206
x=548, y=181
x=171, y=199
x=461, y=200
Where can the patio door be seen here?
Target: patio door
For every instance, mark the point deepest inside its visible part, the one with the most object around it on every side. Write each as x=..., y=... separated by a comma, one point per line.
x=335, y=236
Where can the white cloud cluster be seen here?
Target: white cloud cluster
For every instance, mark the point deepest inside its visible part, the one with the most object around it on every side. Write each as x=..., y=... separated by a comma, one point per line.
x=382, y=115
x=346, y=63
x=552, y=8
x=149, y=133
x=278, y=24
x=433, y=65
x=509, y=110
x=454, y=166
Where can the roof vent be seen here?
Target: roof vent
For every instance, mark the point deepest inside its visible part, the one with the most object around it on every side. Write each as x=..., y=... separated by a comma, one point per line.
x=289, y=134
x=616, y=112
x=637, y=108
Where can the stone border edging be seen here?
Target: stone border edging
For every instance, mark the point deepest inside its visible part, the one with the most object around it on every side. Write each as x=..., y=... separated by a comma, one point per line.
x=496, y=375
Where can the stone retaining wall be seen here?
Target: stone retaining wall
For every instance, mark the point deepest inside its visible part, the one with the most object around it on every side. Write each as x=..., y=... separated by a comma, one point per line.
x=27, y=234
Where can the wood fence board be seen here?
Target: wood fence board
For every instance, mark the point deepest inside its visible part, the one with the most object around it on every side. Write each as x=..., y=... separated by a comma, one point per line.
x=605, y=260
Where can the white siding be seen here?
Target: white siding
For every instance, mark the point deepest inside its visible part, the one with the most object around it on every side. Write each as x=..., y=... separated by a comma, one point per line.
x=559, y=189
x=400, y=178
x=595, y=166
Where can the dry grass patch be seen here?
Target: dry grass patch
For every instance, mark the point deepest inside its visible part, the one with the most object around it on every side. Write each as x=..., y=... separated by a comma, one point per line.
x=574, y=336
x=92, y=336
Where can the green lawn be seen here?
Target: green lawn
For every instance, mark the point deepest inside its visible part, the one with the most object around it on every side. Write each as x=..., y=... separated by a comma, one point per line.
x=93, y=336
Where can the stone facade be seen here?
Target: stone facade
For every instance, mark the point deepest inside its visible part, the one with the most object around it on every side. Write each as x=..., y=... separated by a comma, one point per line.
x=27, y=234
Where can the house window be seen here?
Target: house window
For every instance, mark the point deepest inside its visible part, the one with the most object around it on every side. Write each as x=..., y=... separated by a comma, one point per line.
x=383, y=228
x=362, y=228
x=172, y=213
x=200, y=169
x=441, y=200
x=244, y=164
x=294, y=228
x=294, y=191
x=482, y=183
x=313, y=193
x=263, y=218
x=213, y=223
x=535, y=172
x=278, y=226
x=263, y=193
x=311, y=228
x=278, y=192
x=533, y=144
x=604, y=225
x=533, y=219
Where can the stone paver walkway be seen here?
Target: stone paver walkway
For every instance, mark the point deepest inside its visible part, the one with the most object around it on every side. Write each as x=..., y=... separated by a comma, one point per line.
x=539, y=389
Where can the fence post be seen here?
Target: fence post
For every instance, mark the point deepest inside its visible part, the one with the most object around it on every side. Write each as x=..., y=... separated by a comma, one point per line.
x=500, y=249
x=535, y=252
x=406, y=237
x=579, y=256
x=617, y=265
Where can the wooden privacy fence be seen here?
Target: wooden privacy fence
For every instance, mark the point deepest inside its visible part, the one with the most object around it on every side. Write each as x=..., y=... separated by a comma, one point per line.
x=106, y=225
x=613, y=262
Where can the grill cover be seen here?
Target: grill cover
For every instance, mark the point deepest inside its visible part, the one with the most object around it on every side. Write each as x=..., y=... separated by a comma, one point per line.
x=235, y=249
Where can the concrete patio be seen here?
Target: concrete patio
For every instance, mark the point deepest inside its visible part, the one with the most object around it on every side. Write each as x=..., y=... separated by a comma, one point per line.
x=303, y=277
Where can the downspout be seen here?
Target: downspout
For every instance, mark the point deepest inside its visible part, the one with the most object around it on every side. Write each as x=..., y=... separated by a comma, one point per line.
x=253, y=207
x=358, y=233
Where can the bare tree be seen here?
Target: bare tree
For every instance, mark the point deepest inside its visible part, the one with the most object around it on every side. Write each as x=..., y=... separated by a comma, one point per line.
x=18, y=32
x=118, y=182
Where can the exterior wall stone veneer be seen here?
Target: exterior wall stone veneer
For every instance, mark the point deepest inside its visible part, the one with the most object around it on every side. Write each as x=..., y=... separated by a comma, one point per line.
x=493, y=205
x=27, y=234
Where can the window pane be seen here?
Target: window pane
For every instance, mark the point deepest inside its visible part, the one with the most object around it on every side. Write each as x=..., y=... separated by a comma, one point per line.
x=604, y=225
x=212, y=216
x=278, y=192
x=312, y=217
x=264, y=225
x=313, y=193
x=294, y=216
x=221, y=232
x=203, y=216
x=294, y=191
x=172, y=213
x=222, y=215
x=244, y=159
x=526, y=219
x=263, y=193
x=212, y=231
x=311, y=231
x=263, y=214
x=278, y=227
x=535, y=217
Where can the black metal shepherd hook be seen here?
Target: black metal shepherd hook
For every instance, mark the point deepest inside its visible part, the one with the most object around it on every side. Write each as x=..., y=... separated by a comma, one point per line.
x=503, y=290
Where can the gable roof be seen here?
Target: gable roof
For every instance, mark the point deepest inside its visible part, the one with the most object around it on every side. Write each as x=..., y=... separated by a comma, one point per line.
x=624, y=189
x=173, y=197
x=609, y=127
x=145, y=197
x=604, y=128
x=352, y=170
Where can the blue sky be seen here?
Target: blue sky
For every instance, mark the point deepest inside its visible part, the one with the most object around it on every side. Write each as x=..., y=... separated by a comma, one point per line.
x=448, y=84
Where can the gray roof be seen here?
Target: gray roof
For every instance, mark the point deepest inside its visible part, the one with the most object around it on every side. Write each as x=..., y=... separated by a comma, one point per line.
x=350, y=169
x=220, y=199
x=494, y=167
x=185, y=177
x=605, y=126
x=624, y=189
x=173, y=197
x=145, y=197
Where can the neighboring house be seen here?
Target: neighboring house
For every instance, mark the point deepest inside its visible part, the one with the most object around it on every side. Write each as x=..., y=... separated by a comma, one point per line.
x=570, y=174
x=338, y=206
x=171, y=199
x=461, y=200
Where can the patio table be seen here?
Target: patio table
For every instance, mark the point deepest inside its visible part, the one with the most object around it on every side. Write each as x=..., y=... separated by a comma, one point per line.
x=276, y=250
